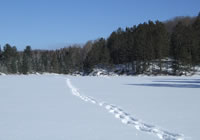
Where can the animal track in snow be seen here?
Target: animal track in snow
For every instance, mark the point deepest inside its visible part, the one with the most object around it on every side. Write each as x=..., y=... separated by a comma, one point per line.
x=126, y=118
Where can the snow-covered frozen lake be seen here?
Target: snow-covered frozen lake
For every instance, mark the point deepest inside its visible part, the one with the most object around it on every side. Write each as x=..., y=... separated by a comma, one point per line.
x=60, y=107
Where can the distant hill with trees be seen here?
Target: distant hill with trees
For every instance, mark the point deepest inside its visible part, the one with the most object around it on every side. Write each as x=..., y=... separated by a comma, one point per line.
x=175, y=43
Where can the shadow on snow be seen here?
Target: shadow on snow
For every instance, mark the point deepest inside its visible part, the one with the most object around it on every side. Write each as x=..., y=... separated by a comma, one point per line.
x=176, y=83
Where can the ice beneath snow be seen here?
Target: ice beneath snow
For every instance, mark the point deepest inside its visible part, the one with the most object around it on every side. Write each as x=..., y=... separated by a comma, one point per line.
x=42, y=107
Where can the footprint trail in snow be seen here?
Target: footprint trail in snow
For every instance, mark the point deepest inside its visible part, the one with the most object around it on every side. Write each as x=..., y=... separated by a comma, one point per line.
x=125, y=117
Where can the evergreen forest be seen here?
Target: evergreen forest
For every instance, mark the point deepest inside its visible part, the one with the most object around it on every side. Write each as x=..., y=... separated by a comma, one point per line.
x=174, y=44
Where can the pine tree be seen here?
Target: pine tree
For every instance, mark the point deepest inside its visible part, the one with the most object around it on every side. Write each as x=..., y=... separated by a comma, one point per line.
x=27, y=60
x=0, y=54
x=10, y=58
x=182, y=47
x=161, y=43
x=196, y=34
x=98, y=55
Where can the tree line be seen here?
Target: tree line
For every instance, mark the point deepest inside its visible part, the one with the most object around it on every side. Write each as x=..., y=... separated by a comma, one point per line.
x=138, y=47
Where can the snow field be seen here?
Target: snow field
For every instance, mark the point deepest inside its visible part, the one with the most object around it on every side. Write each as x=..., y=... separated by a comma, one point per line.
x=41, y=107
x=126, y=118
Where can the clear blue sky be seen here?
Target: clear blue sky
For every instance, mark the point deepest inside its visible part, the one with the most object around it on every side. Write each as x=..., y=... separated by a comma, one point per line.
x=50, y=24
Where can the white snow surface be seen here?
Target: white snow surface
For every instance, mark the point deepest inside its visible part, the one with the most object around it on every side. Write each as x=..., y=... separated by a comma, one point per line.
x=60, y=107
